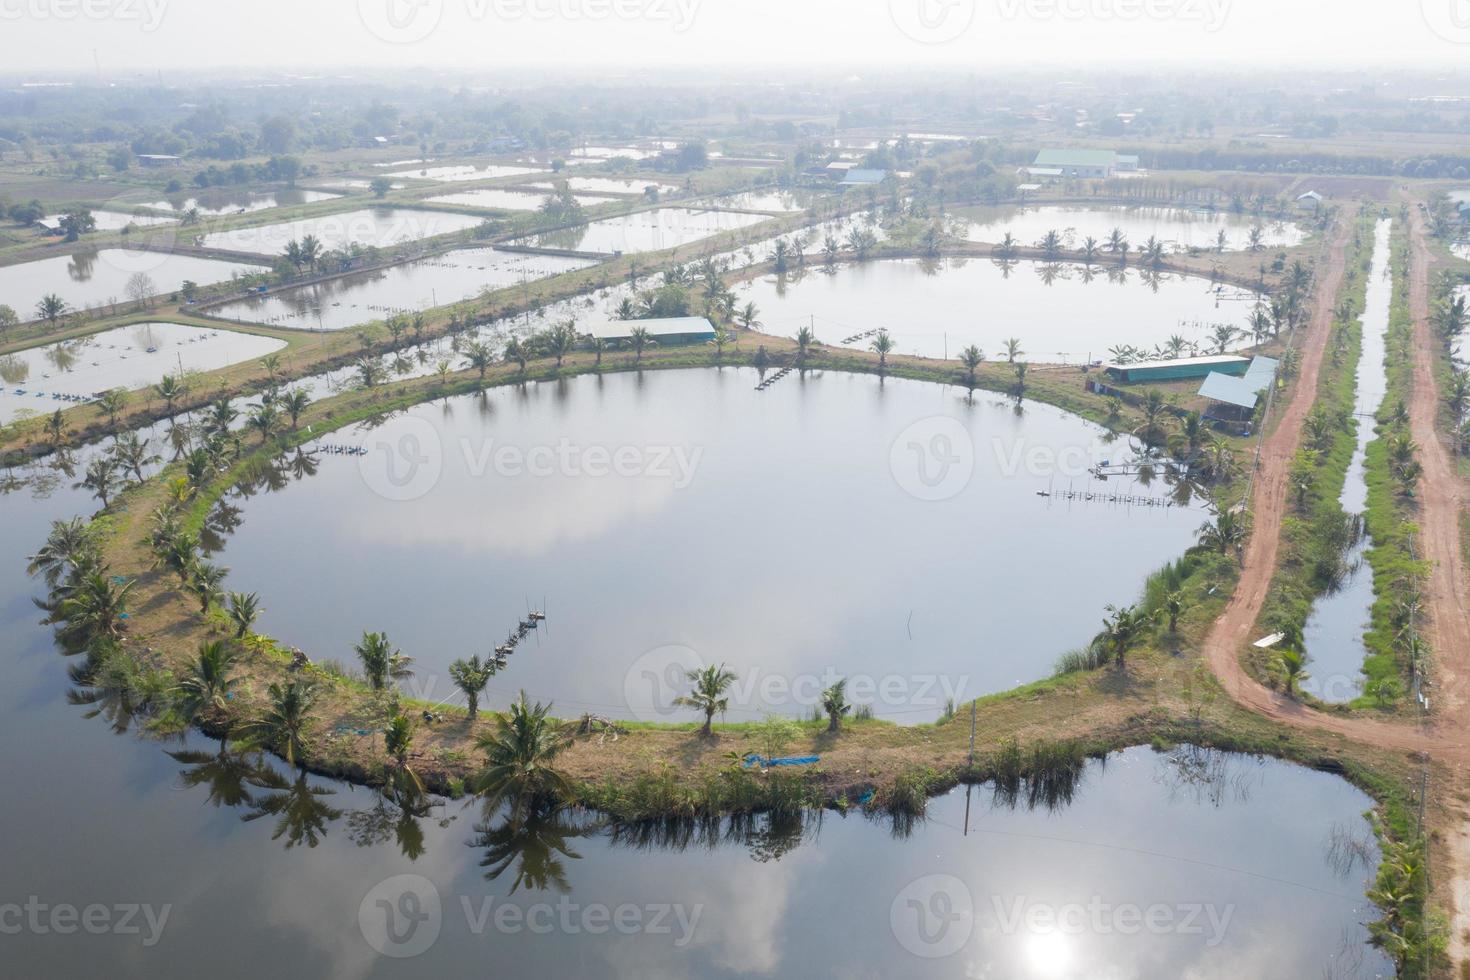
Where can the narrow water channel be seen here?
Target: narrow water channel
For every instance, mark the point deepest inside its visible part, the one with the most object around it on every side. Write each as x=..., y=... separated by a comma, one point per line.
x=1334, y=631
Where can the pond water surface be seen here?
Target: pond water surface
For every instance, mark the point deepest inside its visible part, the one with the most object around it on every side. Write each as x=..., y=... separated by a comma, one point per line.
x=494, y=197
x=134, y=356
x=223, y=200
x=375, y=227
x=608, y=185
x=645, y=231
x=1180, y=228
x=346, y=301
x=788, y=533
x=90, y=278
x=455, y=174
x=935, y=307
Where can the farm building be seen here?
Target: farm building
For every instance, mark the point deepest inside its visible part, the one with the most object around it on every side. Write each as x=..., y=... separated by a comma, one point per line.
x=158, y=160
x=1080, y=163
x=857, y=177
x=1235, y=398
x=1310, y=201
x=1180, y=368
x=666, y=330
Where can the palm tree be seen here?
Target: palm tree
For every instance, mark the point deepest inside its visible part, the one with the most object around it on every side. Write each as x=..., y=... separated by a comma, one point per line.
x=1175, y=603
x=971, y=357
x=244, y=610
x=405, y=785
x=112, y=401
x=1050, y=245
x=206, y=581
x=295, y=402
x=1117, y=242
x=285, y=723
x=710, y=684
x=1154, y=407
x=1293, y=667
x=718, y=342
x=626, y=310
x=1089, y=250
x=1225, y=533
x=101, y=479
x=51, y=308
x=132, y=455
x=1013, y=349
x=516, y=351
x=68, y=547
x=170, y=389
x=207, y=680
x=748, y=316
x=599, y=347
x=1121, y=629
x=96, y=606
x=265, y=420
x=471, y=676
x=1255, y=239
x=640, y=338
x=56, y=427
x=376, y=655
x=562, y=340
x=805, y=338
x=882, y=345
x=834, y=703
x=519, y=754
x=480, y=357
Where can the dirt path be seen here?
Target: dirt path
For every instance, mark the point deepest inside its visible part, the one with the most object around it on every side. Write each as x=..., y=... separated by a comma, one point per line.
x=1441, y=497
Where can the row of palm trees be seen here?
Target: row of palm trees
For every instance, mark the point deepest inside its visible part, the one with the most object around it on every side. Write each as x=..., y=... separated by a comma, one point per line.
x=709, y=695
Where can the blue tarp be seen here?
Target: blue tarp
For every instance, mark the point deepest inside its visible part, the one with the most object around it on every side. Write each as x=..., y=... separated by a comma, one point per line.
x=753, y=761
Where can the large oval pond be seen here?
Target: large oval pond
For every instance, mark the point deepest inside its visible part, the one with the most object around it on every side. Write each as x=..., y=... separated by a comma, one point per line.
x=891, y=532
x=935, y=307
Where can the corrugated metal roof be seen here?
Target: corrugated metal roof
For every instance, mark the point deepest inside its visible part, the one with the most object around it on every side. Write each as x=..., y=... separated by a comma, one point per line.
x=657, y=327
x=1209, y=359
x=1076, y=158
x=1242, y=392
x=865, y=177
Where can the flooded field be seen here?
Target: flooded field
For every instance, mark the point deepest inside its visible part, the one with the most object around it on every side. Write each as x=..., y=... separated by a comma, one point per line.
x=783, y=202
x=646, y=231
x=494, y=197
x=90, y=278
x=221, y=200
x=376, y=227
x=336, y=304
x=131, y=357
x=455, y=174
x=1179, y=228
x=607, y=185
x=1334, y=632
x=118, y=220
x=936, y=307
x=807, y=459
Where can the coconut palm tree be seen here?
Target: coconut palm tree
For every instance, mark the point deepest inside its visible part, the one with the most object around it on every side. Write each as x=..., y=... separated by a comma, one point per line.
x=710, y=684
x=132, y=455
x=517, y=351
x=1008, y=246
x=971, y=357
x=294, y=402
x=245, y=608
x=285, y=725
x=100, y=478
x=376, y=654
x=749, y=316
x=207, y=681
x=882, y=345
x=1089, y=250
x=718, y=342
x=51, y=308
x=1255, y=239
x=1292, y=665
x=1173, y=607
x=1121, y=629
x=834, y=703
x=95, y=606
x=112, y=402
x=1225, y=533
x=1013, y=349
x=805, y=339
x=1050, y=245
x=1154, y=407
x=206, y=581
x=69, y=547
x=170, y=389
x=561, y=340
x=480, y=357
x=1117, y=242
x=404, y=784
x=519, y=756
x=471, y=676
x=640, y=338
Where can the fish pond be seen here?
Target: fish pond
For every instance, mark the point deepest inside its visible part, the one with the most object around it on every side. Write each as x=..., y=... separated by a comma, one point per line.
x=222, y=200
x=644, y=231
x=346, y=301
x=90, y=278
x=369, y=227
x=1179, y=228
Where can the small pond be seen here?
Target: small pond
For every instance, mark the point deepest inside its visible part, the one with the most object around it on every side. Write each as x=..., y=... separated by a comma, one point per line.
x=346, y=301
x=507, y=200
x=375, y=227
x=455, y=174
x=645, y=231
x=222, y=200
x=1179, y=228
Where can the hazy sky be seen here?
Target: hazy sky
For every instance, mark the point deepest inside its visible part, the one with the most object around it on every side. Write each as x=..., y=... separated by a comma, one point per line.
x=60, y=35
